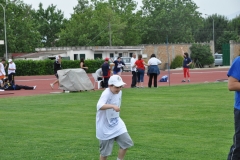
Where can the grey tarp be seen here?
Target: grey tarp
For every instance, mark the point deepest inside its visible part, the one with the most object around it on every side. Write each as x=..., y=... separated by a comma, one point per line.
x=74, y=80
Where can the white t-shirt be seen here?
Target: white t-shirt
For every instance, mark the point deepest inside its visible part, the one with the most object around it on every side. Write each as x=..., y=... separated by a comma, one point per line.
x=133, y=60
x=154, y=61
x=108, y=122
x=2, y=70
x=11, y=66
x=99, y=72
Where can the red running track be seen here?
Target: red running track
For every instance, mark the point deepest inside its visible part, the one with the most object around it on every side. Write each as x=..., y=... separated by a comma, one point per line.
x=176, y=76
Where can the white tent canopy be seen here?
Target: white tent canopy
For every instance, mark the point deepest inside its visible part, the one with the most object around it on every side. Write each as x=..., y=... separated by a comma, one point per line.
x=74, y=80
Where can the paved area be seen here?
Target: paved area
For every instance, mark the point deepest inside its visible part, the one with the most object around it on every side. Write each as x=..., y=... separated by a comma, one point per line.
x=204, y=75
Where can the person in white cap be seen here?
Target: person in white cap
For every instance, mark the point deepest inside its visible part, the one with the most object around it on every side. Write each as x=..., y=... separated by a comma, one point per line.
x=11, y=71
x=109, y=126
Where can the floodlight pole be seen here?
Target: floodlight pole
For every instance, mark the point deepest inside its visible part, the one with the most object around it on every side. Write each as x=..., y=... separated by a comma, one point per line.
x=5, y=31
x=213, y=33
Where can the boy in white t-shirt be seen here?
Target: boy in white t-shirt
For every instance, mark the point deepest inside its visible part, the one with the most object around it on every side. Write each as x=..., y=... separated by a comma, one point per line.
x=109, y=126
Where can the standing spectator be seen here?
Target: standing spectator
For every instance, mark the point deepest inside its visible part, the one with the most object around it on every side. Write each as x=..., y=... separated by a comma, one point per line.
x=11, y=71
x=109, y=126
x=186, y=64
x=153, y=70
x=140, y=70
x=133, y=69
x=234, y=85
x=56, y=66
x=118, y=64
x=82, y=64
x=2, y=69
x=106, y=72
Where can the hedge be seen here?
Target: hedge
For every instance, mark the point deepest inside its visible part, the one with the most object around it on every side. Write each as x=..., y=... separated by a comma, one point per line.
x=45, y=67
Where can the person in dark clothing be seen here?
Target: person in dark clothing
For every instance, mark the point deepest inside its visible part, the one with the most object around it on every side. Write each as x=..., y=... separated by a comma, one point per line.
x=10, y=86
x=118, y=64
x=153, y=70
x=82, y=65
x=186, y=65
x=134, y=73
x=56, y=66
x=106, y=72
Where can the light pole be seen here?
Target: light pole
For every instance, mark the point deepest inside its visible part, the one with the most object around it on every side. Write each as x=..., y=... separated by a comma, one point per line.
x=5, y=31
x=213, y=34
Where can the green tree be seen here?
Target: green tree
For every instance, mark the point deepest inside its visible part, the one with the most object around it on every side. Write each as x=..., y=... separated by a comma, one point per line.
x=234, y=25
x=22, y=33
x=201, y=53
x=50, y=23
x=205, y=33
x=225, y=38
x=175, y=19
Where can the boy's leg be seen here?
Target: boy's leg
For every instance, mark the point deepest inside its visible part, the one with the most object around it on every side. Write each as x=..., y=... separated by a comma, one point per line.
x=105, y=148
x=121, y=153
x=125, y=142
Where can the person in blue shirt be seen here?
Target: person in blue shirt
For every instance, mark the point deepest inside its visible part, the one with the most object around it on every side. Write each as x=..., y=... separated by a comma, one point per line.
x=234, y=85
x=118, y=65
x=186, y=65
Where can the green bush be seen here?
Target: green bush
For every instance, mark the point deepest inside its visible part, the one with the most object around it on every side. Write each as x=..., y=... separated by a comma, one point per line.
x=45, y=67
x=177, y=62
x=201, y=53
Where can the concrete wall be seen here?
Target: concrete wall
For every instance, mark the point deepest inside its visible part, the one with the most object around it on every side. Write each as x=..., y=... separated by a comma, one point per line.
x=167, y=52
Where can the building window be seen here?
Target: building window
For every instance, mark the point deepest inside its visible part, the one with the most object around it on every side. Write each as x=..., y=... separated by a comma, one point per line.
x=130, y=54
x=120, y=54
x=98, y=55
x=75, y=56
x=82, y=56
x=111, y=55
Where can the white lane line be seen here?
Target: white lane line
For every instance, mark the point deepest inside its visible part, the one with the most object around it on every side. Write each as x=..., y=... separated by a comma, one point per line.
x=203, y=72
x=36, y=80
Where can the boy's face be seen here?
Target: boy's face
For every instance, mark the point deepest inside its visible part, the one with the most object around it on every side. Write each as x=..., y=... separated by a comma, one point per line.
x=114, y=89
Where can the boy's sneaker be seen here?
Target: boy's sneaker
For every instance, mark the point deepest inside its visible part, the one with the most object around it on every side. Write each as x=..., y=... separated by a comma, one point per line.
x=34, y=87
x=188, y=80
x=183, y=81
x=51, y=85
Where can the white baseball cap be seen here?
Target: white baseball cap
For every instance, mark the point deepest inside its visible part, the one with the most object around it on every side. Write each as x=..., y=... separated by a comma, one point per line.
x=10, y=60
x=116, y=80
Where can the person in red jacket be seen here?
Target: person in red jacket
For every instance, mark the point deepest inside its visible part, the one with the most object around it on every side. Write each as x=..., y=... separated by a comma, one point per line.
x=140, y=70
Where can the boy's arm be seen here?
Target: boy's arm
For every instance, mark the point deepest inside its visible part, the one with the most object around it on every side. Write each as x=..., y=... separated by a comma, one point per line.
x=233, y=84
x=110, y=106
x=182, y=51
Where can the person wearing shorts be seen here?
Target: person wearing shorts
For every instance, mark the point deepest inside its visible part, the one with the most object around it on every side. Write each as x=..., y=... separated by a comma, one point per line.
x=109, y=126
x=56, y=67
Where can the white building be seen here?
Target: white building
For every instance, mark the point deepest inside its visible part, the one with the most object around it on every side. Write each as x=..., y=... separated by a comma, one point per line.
x=76, y=53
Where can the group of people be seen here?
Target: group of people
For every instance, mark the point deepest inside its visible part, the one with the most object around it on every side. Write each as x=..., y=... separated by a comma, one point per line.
x=138, y=70
x=7, y=80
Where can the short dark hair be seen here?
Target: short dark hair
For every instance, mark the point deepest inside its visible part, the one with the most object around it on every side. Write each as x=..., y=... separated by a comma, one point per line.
x=139, y=56
x=186, y=54
x=3, y=59
x=153, y=55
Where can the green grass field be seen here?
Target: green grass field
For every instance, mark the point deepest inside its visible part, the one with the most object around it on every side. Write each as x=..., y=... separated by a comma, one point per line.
x=186, y=122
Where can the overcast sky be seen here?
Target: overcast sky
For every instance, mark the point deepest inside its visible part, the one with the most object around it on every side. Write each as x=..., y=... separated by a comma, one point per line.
x=228, y=8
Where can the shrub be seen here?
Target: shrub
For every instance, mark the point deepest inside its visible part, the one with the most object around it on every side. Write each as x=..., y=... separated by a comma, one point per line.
x=201, y=53
x=45, y=67
x=177, y=62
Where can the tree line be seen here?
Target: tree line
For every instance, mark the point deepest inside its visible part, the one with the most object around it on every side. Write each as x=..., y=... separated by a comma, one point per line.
x=112, y=23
